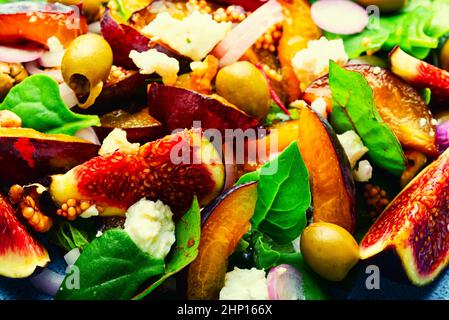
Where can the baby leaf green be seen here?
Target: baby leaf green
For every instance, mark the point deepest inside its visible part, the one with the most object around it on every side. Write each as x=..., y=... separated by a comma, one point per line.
x=188, y=230
x=283, y=196
x=36, y=100
x=111, y=267
x=352, y=96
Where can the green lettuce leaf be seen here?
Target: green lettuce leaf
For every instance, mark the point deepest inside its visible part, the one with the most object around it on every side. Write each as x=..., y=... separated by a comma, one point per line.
x=36, y=100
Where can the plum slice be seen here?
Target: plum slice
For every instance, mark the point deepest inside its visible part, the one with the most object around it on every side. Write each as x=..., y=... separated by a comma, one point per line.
x=20, y=253
x=39, y=21
x=333, y=189
x=416, y=225
x=172, y=169
x=26, y=154
x=226, y=221
x=178, y=108
x=140, y=126
x=400, y=106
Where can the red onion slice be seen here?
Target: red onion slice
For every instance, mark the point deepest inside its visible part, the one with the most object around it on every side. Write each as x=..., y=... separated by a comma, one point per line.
x=68, y=95
x=339, y=16
x=89, y=135
x=16, y=55
x=246, y=33
x=33, y=68
x=94, y=27
x=285, y=283
x=51, y=59
x=47, y=281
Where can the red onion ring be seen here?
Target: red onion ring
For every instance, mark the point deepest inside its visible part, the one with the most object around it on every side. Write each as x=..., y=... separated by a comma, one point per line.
x=33, y=68
x=17, y=55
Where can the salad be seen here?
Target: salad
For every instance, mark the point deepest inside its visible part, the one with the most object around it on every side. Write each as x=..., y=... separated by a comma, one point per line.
x=232, y=150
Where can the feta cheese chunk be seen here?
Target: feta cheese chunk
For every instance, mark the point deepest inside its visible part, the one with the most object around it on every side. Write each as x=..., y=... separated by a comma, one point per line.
x=364, y=172
x=194, y=36
x=116, y=140
x=245, y=284
x=353, y=146
x=313, y=62
x=150, y=225
x=153, y=61
x=320, y=106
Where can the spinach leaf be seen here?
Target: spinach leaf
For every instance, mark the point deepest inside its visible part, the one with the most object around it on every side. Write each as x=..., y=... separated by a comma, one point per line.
x=283, y=196
x=268, y=254
x=37, y=101
x=110, y=267
x=248, y=177
x=188, y=231
x=71, y=235
x=352, y=96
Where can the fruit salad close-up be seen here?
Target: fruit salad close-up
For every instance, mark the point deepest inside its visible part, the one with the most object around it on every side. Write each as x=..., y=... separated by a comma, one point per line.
x=224, y=150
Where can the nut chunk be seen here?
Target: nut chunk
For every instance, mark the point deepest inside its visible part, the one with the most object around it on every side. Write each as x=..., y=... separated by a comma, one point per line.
x=10, y=75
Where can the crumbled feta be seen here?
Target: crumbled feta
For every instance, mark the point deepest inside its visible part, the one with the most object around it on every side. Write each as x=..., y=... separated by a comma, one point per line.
x=116, y=140
x=245, y=284
x=364, y=172
x=150, y=225
x=320, y=106
x=194, y=36
x=313, y=62
x=353, y=146
x=92, y=211
x=153, y=61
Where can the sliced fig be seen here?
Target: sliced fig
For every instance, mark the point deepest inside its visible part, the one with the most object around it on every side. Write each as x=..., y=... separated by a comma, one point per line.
x=400, y=106
x=26, y=154
x=416, y=225
x=420, y=73
x=172, y=169
x=140, y=126
x=178, y=108
x=226, y=221
x=39, y=21
x=20, y=253
x=333, y=190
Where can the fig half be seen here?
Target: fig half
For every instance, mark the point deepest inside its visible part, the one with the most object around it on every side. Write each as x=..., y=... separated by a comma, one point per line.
x=416, y=225
x=20, y=253
x=173, y=169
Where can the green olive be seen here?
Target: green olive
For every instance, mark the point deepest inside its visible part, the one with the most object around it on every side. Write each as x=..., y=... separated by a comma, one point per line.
x=444, y=56
x=91, y=8
x=242, y=84
x=86, y=66
x=329, y=250
x=384, y=5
